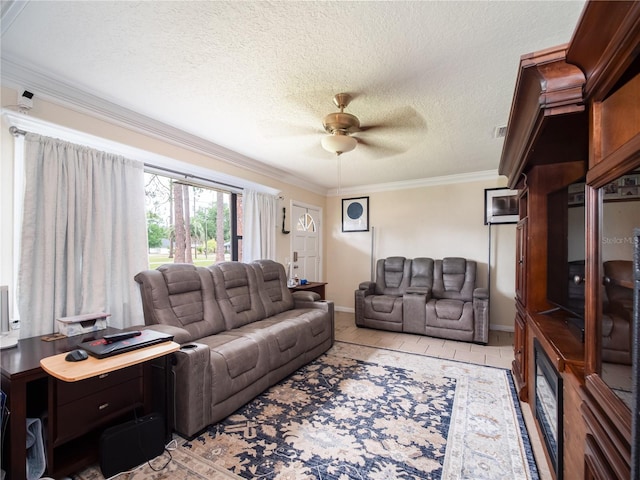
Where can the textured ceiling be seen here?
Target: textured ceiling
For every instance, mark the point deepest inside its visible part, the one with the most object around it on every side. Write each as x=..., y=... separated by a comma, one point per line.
x=258, y=77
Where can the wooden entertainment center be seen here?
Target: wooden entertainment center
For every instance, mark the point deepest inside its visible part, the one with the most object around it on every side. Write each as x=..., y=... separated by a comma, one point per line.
x=573, y=146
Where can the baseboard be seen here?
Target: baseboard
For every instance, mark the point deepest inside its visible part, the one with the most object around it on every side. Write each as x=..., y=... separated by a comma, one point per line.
x=497, y=328
x=502, y=328
x=344, y=309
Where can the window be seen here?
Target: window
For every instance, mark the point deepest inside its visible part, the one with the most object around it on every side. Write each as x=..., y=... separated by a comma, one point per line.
x=191, y=223
x=306, y=223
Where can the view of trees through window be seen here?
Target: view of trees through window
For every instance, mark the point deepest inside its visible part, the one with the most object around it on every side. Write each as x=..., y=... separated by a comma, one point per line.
x=191, y=224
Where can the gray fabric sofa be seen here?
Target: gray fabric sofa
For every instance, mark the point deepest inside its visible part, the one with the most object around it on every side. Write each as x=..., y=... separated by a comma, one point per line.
x=241, y=331
x=438, y=298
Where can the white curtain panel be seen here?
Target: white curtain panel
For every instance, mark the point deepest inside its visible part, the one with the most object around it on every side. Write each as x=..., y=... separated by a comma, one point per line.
x=260, y=225
x=84, y=236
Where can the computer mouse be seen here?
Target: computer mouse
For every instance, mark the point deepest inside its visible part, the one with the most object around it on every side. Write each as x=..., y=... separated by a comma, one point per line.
x=76, y=355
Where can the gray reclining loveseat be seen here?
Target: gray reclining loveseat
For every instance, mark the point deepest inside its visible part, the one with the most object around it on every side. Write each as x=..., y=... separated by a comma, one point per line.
x=241, y=331
x=438, y=298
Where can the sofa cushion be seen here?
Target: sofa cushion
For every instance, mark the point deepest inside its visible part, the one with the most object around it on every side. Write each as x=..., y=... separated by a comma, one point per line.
x=237, y=361
x=454, y=278
x=185, y=291
x=421, y=273
x=272, y=286
x=237, y=293
x=392, y=275
x=192, y=305
x=450, y=314
x=449, y=309
x=383, y=303
x=180, y=278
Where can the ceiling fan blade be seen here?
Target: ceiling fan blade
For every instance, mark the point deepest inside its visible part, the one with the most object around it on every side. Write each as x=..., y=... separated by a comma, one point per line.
x=380, y=149
x=277, y=129
x=406, y=118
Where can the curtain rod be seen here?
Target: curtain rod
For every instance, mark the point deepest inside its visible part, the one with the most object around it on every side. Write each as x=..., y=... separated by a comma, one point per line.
x=190, y=176
x=15, y=131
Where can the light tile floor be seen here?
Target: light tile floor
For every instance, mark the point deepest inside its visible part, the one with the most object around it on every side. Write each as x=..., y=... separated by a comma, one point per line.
x=498, y=353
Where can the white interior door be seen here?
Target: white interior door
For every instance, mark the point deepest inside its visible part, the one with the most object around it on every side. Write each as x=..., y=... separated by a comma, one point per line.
x=306, y=226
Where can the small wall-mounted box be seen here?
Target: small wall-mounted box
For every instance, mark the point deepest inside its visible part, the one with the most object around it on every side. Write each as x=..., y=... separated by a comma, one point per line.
x=80, y=324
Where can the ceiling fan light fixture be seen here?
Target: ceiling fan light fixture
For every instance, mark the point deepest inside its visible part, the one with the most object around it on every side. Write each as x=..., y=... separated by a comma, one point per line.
x=338, y=143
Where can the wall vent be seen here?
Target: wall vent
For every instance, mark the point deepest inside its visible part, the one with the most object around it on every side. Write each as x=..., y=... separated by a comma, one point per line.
x=500, y=132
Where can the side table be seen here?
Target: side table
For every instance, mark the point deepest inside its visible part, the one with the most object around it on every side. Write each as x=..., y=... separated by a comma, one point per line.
x=317, y=287
x=32, y=392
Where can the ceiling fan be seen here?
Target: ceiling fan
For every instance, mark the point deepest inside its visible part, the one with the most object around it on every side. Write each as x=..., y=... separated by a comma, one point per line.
x=340, y=125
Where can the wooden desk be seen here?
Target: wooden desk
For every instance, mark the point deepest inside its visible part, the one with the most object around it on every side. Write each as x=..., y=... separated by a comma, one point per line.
x=31, y=392
x=317, y=287
x=58, y=367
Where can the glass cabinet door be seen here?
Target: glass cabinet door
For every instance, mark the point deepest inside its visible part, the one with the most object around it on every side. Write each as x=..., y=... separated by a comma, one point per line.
x=619, y=205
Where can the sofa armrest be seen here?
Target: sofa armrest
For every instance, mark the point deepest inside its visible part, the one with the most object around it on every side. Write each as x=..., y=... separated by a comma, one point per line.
x=481, y=315
x=414, y=312
x=311, y=300
x=305, y=296
x=481, y=293
x=180, y=335
x=426, y=291
x=193, y=389
x=368, y=288
x=326, y=306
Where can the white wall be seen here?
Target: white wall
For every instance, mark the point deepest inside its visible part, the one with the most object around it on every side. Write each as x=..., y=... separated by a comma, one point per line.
x=436, y=221
x=65, y=117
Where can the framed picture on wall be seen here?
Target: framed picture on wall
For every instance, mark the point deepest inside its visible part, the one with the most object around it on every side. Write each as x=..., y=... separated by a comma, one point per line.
x=355, y=214
x=500, y=206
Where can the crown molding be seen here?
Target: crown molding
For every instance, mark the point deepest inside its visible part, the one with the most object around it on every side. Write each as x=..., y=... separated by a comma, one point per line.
x=418, y=183
x=152, y=161
x=16, y=75
x=10, y=11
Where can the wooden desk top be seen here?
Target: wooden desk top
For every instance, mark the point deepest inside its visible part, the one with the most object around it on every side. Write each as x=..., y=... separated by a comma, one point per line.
x=58, y=367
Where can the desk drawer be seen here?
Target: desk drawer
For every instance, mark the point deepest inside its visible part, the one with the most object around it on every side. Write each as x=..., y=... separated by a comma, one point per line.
x=71, y=391
x=82, y=415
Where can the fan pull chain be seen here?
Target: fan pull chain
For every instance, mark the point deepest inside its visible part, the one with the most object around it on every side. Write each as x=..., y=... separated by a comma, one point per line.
x=339, y=174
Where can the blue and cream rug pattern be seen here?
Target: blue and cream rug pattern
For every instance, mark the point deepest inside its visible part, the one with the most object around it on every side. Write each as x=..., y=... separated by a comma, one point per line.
x=359, y=412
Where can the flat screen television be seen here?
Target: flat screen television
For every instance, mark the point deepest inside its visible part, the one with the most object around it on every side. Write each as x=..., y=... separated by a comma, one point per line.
x=566, y=251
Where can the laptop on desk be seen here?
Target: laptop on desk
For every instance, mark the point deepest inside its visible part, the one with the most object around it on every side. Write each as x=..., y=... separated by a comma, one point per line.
x=99, y=347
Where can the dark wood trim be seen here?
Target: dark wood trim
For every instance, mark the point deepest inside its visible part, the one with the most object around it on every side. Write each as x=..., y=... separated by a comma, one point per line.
x=605, y=43
x=551, y=128
x=548, y=93
x=617, y=413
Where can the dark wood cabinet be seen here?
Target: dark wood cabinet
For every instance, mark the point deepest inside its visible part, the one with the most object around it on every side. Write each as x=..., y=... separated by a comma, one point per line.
x=519, y=365
x=80, y=407
x=74, y=413
x=575, y=117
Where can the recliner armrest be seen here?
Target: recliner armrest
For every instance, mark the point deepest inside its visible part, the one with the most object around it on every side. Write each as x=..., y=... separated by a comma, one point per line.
x=368, y=287
x=180, y=335
x=310, y=300
x=481, y=315
x=306, y=296
x=481, y=293
x=420, y=291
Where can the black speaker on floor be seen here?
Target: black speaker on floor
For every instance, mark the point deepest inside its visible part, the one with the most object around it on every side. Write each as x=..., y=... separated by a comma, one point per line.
x=130, y=444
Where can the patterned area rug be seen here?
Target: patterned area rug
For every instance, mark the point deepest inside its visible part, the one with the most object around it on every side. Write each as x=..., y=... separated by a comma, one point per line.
x=360, y=412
